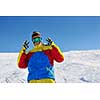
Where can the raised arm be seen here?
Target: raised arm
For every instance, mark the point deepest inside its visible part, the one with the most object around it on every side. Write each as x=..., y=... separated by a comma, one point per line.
x=22, y=59
x=56, y=53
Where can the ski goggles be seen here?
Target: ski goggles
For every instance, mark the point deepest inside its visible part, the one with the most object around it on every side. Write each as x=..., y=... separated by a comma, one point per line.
x=37, y=39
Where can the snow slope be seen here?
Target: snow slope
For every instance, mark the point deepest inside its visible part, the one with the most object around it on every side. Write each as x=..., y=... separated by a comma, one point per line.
x=9, y=72
x=78, y=67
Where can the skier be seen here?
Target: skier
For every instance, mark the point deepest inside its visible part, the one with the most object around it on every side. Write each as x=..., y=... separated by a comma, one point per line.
x=40, y=60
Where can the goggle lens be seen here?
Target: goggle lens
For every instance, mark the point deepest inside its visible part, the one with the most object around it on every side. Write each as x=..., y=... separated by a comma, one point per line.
x=38, y=39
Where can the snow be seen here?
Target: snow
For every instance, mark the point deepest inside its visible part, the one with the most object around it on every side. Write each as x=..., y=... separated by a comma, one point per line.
x=77, y=67
x=9, y=72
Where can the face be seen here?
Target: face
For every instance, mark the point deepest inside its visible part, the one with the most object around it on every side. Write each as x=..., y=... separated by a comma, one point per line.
x=37, y=43
x=37, y=40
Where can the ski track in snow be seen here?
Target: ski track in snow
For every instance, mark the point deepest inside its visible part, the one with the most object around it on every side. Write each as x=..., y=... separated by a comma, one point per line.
x=78, y=67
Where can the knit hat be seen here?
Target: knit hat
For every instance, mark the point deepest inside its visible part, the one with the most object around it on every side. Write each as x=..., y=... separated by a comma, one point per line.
x=36, y=34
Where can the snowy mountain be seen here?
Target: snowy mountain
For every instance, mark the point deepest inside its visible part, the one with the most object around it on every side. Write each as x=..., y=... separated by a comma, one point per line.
x=78, y=67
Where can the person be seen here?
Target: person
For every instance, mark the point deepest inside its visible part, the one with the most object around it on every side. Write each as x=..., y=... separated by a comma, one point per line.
x=40, y=60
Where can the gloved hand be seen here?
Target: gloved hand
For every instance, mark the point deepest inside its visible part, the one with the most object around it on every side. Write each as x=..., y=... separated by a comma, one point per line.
x=49, y=40
x=26, y=44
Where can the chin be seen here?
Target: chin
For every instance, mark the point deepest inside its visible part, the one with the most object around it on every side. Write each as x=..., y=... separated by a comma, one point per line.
x=37, y=43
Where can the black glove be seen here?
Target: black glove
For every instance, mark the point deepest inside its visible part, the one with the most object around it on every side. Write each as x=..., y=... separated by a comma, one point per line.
x=49, y=40
x=26, y=44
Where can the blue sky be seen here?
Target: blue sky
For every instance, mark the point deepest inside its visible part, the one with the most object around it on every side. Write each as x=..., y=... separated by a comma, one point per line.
x=68, y=32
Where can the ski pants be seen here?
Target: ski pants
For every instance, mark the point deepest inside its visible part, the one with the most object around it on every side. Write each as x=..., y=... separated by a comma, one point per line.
x=47, y=80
